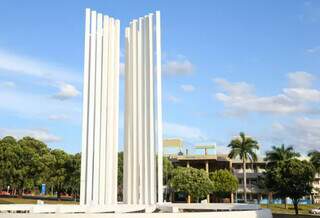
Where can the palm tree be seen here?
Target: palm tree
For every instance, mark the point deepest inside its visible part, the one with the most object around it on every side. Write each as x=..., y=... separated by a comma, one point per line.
x=315, y=159
x=280, y=153
x=245, y=148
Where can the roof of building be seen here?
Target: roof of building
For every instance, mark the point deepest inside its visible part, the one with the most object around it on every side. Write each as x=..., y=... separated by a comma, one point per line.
x=217, y=157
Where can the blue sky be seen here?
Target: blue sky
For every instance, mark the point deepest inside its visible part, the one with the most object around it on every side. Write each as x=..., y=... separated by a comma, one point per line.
x=228, y=66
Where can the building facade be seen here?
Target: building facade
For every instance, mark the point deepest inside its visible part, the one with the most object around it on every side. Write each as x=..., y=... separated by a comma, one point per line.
x=255, y=170
x=211, y=163
x=316, y=189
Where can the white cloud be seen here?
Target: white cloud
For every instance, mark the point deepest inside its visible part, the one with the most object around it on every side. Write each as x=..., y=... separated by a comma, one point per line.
x=37, y=106
x=314, y=49
x=302, y=132
x=178, y=67
x=40, y=134
x=303, y=94
x=240, y=89
x=187, y=87
x=173, y=99
x=7, y=84
x=239, y=98
x=300, y=79
x=28, y=66
x=67, y=91
x=58, y=117
x=185, y=132
x=311, y=13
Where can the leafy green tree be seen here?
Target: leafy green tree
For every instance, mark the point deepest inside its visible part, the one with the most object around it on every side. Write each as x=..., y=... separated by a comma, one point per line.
x=58, y=171
x=27, y=163
x=194, y=182
x=10, y=153
x=167, y=170
x=245, y=148
x=291, y=178
x=224, y=183
x=32, y=165
x=72, y=174
x=120, y=176
x=281, y=153
x=315, y=159
x=120, y=168
x=167, y=175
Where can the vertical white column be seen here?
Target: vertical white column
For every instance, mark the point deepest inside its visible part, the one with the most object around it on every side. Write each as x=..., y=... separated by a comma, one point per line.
x=134, y=111
x=159, y=108
x=127, y=139
x=97, y=126
x=100, y=110
x=110, y=115
x=91, y=106
x=143, y=113
x=84, y=163
x=139, y=109
x=104, y=93
x=151, y=109
x=116, y=110
x=147, y=115
x=145, y=119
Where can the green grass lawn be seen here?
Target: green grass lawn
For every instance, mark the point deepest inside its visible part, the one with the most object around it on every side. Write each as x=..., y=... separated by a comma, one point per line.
x=32, y=201
x=279, y=208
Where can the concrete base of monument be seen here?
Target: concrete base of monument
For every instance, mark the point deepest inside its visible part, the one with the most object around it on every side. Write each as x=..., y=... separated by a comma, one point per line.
x=166, y=210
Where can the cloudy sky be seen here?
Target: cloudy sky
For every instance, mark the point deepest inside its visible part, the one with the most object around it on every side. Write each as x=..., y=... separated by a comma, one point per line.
x=228, y=66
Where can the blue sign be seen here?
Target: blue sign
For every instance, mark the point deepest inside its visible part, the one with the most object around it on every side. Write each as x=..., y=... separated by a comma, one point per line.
x=43, y=189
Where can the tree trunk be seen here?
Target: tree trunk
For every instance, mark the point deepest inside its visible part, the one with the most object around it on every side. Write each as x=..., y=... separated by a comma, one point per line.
x=58, y=195
x=296, y=209
x=285, y=202
x=244, y=181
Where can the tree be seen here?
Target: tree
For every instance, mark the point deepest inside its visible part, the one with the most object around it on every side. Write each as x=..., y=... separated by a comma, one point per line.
x=27, y=163
x=194, y=182
x=315, y=159
x=167, y=170
x=58, y=171
x=281, y=153
x=72, y=171
x=291, y=178
x=245, y=148
x=120, y=168
x=224, y=183
x=10, y=172
x=167, y=175
x=32, y=165
x=120, y=175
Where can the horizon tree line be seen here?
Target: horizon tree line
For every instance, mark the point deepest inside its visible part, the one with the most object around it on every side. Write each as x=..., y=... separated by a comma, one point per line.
x=27, y=163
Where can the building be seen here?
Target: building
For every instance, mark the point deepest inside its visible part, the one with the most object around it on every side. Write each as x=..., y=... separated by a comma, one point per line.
x=316, y=189
x=254, y=172
x=212, y=162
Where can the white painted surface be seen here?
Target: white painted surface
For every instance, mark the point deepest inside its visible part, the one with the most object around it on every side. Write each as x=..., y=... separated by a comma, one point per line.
x=159, y=108
x=97, y=212
x=100, y=113
x=85, y=107
x=143, y=113
x=211, y=206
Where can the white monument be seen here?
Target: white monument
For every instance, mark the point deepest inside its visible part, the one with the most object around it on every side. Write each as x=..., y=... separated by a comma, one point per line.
x=143, y=112
x=143, y=187
x=99, y=163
